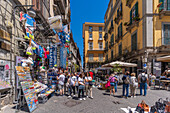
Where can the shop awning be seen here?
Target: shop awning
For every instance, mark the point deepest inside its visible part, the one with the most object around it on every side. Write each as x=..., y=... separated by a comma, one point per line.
x=103, y=68
x=164, y=59
x=121, y=64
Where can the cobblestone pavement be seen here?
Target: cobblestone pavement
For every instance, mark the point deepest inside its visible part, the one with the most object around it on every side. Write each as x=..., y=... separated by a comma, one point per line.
x=102, y=102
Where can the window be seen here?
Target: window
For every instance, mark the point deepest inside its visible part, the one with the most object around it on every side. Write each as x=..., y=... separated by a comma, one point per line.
x=112, y=39
x=120, y=30
x=112, y=54
x=166, y=34
x=112, y=6
x=90, y=36
x=100, y=29
x=100, y=57
x=163, y=5
x=120, y=49
x=119, y=11
x=134, y=42
x=90, y=45
x=101, y=45
x=100, y=36
x=91, y=57
x=112, y=23
x=106, y=44
x=134, y=13
x=107, y=57
x=90, y=28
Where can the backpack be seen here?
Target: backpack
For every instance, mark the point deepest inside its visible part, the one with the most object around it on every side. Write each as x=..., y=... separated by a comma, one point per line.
x=127, y=81
x=143, y=78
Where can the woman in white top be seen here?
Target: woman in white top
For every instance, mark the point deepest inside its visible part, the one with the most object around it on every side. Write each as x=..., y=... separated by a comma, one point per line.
x=81, y=82
x=88, y=84
x=133, y=85
x=72, y=82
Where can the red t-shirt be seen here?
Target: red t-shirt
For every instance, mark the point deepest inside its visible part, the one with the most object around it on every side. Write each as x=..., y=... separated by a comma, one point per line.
x=91, y=74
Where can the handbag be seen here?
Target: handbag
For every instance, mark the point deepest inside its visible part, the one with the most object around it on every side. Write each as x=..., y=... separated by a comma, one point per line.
x=160, y=106
x=139, y=109
x=107, y=84
x=153, y=109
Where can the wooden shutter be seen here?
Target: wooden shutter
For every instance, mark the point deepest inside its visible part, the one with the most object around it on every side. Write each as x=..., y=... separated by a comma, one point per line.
x=136, y=9
x=121, y=31
x=131, y=17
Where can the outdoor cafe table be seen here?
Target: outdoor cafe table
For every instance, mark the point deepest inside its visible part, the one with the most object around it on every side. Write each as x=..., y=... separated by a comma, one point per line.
x=165, y=81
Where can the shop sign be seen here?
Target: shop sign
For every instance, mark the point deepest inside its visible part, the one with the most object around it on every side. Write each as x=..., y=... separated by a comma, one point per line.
x=157, y=68
x=51, y=60
x=18, y=60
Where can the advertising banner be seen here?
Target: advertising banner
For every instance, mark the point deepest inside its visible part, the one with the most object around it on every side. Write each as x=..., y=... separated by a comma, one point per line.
x=51, y=60
x=55, y=55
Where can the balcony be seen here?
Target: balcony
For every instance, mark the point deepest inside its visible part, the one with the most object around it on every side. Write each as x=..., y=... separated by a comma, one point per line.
x=106, y=36
x=118, y=37
x=106, y=49
x=61, y=5
x=132, y=24
x=95, y=61
x=163, y=45
x=118, y=18
x=100, y=39
x=90, y=39
x=111, y=29
x=129, y=2
x=95, y=49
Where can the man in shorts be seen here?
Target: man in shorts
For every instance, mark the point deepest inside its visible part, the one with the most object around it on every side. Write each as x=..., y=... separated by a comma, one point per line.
x=61, y=80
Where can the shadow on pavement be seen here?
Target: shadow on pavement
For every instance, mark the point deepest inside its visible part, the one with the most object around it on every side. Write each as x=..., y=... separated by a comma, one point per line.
x=106, y=94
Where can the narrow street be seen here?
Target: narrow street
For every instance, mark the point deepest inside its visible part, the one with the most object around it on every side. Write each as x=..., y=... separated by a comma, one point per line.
x=102, y=103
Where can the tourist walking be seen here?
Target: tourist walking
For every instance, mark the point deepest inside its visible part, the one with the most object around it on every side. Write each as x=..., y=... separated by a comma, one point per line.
x=126, y=82
x=77, y=85
x=143, y=79
x=72, y=82
x=81, y=82
x=88, y=85
x=61, y=80
x=116, y=83
x=112, y=80
x=133, y=85
x=66, y=83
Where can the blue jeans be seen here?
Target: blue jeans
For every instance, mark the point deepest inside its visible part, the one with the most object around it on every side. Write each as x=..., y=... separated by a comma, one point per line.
x=143, y=85
x=116, y=87
x=126, y=86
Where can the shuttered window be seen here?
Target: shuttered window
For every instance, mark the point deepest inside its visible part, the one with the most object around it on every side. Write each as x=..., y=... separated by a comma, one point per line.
x=166, y=33
x=134, y=13
x=120, y=49
x=134, y=42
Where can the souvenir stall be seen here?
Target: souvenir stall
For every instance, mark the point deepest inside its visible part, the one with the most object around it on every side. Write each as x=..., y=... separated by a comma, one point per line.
x=32, y=88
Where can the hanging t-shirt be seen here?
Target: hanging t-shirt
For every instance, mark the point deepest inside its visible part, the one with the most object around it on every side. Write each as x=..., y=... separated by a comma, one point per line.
x=41, y=51
x=45, y=54
x=30, y=21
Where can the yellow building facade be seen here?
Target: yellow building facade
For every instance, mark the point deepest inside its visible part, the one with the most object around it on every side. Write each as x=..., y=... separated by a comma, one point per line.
x=94, y=44
x=137, y=31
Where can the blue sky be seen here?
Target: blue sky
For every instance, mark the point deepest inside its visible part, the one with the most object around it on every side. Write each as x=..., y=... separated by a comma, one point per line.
x=85, y=11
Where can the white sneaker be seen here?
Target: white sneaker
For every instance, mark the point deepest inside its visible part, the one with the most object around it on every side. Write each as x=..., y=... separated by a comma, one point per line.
x=134, y=97
x=87, y=96
x=74, y=95
x=131, y=96
x=84, y=98
x=80, y=98
x=91, y=97
x=69, y=96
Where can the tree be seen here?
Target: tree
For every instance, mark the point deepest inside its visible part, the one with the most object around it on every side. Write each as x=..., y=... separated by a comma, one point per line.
x=116, y=68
